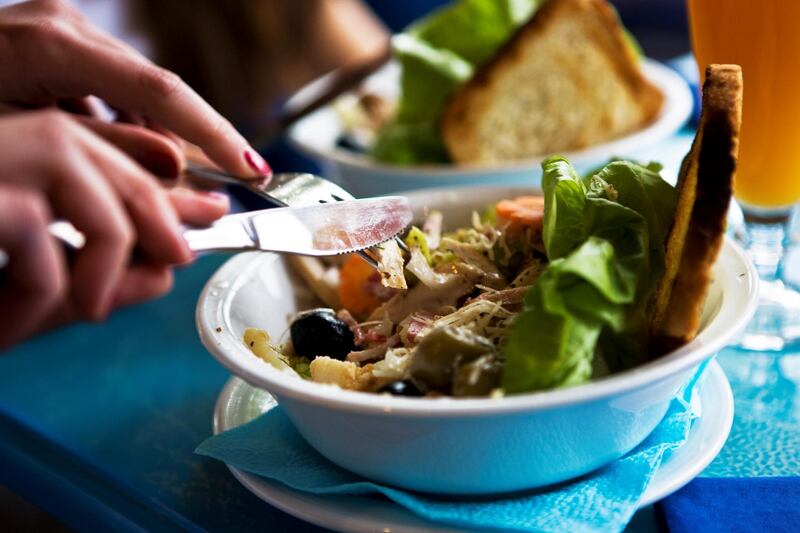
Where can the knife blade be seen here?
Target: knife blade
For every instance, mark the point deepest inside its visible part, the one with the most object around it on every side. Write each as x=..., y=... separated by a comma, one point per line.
x=325, y=229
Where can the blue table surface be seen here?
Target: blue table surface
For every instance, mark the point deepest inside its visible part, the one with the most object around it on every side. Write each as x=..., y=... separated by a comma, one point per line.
x=98, y=422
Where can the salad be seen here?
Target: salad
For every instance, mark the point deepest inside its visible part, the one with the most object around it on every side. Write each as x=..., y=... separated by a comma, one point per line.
x=539, y=292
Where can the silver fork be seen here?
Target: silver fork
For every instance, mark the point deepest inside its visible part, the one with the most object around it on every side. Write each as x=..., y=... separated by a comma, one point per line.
x=291, y=189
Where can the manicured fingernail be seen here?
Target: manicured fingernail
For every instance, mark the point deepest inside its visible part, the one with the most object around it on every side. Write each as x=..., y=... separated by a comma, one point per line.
x=257, y=162
x=160, y=164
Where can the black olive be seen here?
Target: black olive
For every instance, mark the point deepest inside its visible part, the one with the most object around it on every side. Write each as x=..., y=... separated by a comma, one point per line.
x=318, y=332
x=401, y=388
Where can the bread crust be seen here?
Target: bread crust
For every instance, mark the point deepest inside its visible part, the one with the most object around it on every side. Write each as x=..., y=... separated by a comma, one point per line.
x=705, y=186
x=460, y=117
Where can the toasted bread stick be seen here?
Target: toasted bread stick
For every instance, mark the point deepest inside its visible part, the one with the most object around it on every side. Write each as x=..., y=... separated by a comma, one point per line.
x=705, y=186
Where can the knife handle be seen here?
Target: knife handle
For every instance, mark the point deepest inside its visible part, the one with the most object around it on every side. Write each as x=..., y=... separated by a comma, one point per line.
x=230, y=233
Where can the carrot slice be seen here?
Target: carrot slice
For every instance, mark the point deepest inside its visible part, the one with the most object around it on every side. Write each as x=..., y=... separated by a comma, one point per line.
x=522, y=211
x=353, y=294
x=531, y=202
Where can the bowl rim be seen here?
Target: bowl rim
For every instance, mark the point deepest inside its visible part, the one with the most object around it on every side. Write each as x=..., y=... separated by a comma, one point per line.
x=214, y=304
x=675, y=111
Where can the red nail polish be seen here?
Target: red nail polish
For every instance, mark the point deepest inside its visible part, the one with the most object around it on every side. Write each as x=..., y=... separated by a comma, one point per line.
x=257, y=162
x=161, y=164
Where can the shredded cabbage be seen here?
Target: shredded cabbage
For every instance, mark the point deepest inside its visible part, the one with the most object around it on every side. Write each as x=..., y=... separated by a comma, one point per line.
x=390, y=265
x=420, y=267
x=394, y=366
x=482, y=317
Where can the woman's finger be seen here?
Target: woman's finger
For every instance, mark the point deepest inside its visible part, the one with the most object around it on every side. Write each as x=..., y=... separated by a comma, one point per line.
x=198, y=208
x=155, y=152
x=110, y=237
x=50, y=156
x=87, y=106
x=35, y=276
x=194, y=154
x=156, y=225
x=158, y=128
x=143, y=282
x=103, y=192
x=130, y=82
x=63, y=56
x=126, y=117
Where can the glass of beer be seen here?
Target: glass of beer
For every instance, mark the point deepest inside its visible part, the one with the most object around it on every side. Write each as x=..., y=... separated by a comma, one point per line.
x=764, y=39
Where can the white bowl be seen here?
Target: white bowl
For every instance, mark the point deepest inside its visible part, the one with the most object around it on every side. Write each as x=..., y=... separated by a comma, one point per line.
x=461, y=446
x=316, y=135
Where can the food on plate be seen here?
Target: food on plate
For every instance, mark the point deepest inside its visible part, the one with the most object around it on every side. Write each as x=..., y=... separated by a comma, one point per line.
x=485, y=81
x=599, y=274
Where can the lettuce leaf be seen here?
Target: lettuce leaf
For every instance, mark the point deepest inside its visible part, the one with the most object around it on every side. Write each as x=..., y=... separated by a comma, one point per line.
x=565, y=197
x=604, y=238
x=407, y=144
x=437, y=54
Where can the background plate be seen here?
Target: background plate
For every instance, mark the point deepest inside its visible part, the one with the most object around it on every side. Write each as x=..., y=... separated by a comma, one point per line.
x=317, y=134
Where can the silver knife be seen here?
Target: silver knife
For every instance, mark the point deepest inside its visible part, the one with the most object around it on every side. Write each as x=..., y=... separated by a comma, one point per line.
x=325, y=229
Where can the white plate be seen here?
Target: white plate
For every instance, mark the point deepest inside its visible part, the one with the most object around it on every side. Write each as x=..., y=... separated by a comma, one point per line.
x=239, y=403
x=317, y=135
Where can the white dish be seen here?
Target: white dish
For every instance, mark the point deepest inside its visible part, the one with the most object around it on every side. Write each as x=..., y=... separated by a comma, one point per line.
x=448, y=445
x=317, y=134
x=239, y=403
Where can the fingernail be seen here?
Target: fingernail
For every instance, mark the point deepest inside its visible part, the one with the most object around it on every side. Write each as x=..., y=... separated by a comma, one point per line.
x=160, y=164
x=257, y=162
x=189, y=261
x=220, y=196
x=187, y=253
x=104, y=308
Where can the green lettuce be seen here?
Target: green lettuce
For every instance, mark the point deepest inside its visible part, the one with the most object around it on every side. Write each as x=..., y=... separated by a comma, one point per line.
x=604, y=239
x=437, y=54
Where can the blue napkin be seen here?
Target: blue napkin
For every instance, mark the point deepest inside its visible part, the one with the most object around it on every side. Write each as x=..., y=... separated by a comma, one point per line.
x=734, y=504
x=604, y=500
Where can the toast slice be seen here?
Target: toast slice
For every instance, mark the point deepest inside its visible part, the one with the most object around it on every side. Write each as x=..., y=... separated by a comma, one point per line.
x=566, y=80
x=705, y=186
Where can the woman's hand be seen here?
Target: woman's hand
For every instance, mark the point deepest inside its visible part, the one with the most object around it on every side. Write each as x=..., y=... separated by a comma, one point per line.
x=55, y=166
x=49, y=53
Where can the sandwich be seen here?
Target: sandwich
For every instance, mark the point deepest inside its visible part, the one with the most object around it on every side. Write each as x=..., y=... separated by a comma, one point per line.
x=487, y=81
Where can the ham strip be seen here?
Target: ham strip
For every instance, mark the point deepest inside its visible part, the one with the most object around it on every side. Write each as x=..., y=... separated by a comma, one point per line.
x=374, y=353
